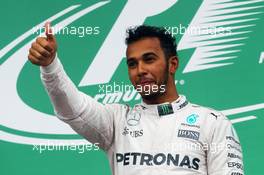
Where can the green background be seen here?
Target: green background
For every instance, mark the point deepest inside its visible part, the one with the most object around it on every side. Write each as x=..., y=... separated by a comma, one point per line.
x=237, y=85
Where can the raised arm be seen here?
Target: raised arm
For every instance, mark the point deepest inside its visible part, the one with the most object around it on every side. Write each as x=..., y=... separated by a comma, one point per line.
x=91, y=119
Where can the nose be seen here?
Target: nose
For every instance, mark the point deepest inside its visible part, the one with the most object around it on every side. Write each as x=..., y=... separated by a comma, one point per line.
x=141, y=69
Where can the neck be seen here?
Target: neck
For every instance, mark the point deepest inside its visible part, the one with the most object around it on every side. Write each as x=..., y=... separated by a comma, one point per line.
x=169, y=95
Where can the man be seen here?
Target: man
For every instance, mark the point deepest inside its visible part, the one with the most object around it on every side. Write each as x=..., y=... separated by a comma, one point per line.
x=165, y=134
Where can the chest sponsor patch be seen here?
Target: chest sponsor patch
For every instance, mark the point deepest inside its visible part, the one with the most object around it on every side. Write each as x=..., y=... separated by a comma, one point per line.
x=158, y=159
x=189, y=134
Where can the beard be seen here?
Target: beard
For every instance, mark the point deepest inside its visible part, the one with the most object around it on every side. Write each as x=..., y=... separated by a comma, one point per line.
x=161, y=87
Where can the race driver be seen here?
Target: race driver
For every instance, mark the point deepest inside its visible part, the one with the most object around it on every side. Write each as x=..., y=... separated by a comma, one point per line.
x=163, y=135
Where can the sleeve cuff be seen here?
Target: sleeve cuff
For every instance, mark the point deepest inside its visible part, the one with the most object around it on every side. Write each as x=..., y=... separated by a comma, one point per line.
x=54, y=65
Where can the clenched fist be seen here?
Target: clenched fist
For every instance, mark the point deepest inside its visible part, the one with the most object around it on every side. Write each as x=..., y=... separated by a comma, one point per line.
x=43, y=50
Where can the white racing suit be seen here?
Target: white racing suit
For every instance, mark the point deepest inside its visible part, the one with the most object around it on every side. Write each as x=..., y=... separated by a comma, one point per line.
x=176, y=138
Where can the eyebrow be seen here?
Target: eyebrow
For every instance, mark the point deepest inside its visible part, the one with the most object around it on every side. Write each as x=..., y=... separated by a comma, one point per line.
x=144, y=56
x=149, y=54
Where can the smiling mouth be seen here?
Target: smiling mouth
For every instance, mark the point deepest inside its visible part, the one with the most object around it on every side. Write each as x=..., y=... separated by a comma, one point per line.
x=145, y=82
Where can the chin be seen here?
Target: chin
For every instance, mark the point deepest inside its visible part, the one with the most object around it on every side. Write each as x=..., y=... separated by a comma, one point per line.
x=151, y=95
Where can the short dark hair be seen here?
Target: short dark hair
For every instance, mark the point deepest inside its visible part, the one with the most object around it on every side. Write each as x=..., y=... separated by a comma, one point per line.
x=167, y=41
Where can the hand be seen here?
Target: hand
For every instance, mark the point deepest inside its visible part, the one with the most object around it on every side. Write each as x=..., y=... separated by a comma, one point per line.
x=43, y=50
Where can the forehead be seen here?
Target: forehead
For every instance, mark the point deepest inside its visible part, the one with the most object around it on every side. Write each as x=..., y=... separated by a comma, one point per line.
x=144, y=45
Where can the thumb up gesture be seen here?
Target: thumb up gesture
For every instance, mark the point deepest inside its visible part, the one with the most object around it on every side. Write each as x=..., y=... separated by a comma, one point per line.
x=43, y=50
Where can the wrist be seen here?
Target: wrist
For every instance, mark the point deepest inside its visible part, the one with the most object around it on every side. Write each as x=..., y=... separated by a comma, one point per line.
x=51, y=67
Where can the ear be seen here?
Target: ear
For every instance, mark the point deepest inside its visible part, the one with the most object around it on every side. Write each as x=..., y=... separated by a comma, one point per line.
x=173, y=64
